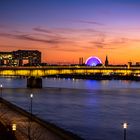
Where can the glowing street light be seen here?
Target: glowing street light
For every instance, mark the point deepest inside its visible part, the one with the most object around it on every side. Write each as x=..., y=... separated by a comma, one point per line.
x=31, y=95
x=125, y=126
x=14, y=126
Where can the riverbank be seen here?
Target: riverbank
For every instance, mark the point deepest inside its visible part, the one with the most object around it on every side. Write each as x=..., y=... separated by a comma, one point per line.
x=29, y=126
x=98, y=76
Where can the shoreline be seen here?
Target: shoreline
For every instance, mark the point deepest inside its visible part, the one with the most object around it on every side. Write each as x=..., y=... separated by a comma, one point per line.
x=97, y=76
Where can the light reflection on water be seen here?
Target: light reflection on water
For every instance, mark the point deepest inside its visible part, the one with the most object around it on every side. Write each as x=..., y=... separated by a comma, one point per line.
x=92, y=109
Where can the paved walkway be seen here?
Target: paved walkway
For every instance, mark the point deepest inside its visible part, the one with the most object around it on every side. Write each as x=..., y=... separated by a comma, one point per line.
x=31, y=129
x=25, y=128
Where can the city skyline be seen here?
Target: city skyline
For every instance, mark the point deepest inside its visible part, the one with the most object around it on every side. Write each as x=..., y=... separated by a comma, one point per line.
x=67, y=30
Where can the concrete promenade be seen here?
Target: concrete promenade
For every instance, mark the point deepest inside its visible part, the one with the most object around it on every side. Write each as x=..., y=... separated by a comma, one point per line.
x=29, y=127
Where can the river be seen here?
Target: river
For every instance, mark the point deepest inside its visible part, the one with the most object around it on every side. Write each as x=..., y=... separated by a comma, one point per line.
x=94, y=110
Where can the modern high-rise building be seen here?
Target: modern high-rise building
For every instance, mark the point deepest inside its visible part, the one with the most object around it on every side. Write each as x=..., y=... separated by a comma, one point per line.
x=17, y=58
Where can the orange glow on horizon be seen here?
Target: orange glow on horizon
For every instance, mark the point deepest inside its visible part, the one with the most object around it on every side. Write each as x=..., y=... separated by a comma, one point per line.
x=69, y=49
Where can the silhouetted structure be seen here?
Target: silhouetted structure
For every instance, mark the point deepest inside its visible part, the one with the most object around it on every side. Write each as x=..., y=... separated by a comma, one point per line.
x=129, y=64
x=137, y=63
x=16, y=58
x=81, y=61
x=106, y=61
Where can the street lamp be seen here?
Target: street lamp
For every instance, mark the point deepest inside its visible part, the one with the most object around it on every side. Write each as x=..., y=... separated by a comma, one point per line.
x=30, y=118
x=1, y=90
x=14, y=126
x=31, y=105
x=125, y=126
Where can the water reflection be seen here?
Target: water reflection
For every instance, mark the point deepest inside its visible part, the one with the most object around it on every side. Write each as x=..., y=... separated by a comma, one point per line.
x=92, y=109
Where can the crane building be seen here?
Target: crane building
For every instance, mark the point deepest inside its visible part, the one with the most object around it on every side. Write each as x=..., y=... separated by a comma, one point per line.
x=17, y=58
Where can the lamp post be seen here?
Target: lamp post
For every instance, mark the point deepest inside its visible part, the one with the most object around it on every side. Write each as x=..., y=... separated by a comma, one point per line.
x=30, y=118
x=1, y=90
x=14, y=127
x=31, y=105
x=125, y=126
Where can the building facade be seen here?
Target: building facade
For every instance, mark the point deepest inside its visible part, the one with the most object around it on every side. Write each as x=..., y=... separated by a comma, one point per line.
x=17, y=58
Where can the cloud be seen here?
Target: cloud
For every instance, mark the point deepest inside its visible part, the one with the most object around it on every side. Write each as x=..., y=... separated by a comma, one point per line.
x=56, y=42
x=111, y=43
x=118, y=41
x=38, y=29
x=81, y=31
x=71, y=39
x=28, y=37
x=99, y=44
x=65, y=31
x=76, y=38
x=100, y=41
x=90, y=22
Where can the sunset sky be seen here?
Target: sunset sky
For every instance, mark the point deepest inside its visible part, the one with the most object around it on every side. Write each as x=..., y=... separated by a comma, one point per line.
x=64, y=30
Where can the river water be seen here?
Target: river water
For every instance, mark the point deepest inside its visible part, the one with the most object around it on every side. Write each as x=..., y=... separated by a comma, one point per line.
x=94, y=110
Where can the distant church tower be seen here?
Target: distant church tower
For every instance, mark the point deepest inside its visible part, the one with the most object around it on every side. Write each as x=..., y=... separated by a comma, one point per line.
x=106, y=61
